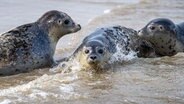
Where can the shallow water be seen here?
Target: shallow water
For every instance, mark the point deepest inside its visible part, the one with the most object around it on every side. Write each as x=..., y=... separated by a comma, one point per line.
x=140, y=81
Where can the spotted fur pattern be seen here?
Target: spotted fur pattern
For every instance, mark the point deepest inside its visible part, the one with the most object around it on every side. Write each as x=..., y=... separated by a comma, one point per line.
x=23, y=48
x=127, y=39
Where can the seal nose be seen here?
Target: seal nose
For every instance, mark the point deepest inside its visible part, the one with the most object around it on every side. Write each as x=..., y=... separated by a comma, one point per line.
x=139, y=31
x=79, y=26
x=93, y=57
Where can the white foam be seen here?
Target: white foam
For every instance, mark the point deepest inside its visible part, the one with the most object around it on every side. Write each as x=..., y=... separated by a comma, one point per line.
x=67, y=88
x=21, y=88
x=44, y=95
x=6, y=101
x=90, y=20
x=37, y=93
x=37, y=89
x=107, y=11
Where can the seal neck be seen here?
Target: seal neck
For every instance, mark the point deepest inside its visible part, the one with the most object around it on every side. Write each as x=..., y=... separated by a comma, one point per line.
x=50, y=34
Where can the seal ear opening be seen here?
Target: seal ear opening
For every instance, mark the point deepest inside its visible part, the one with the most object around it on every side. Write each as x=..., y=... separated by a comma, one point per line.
x=59, y=21
x=161, y=28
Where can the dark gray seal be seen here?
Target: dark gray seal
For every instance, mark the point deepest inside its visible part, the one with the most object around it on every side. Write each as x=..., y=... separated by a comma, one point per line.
x=98, y=48
x=32, y=45
x=167, y=38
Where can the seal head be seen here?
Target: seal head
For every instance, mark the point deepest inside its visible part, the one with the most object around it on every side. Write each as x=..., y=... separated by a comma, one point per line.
x=162, y=34
x=94, y=53
x=57, y=24
x=157, y=27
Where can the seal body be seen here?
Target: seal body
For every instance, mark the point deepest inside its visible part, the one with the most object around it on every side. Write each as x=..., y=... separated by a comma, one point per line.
x=97, y=49
x=167, y=38
x=32, y=45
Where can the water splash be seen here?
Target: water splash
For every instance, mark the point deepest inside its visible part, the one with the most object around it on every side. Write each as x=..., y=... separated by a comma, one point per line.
x=67, y=66
x=42, y=88
x=122, y=55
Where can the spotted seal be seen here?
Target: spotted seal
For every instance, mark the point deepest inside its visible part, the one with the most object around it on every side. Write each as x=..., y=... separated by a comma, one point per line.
x=167, y=38
x=32, y=45
x=98, y=48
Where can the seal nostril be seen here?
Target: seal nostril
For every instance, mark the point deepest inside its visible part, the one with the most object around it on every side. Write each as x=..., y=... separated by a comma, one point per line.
x=139, y=31
x=93, y=57
x=79, y=25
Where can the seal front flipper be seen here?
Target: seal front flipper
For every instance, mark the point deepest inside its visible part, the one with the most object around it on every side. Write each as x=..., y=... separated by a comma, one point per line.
x=63, y=65
x=66, y=63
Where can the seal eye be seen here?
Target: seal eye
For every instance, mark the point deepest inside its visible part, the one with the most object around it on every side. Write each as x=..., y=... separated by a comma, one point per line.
x=66, y=22
x=86, y=51
x=152, y=28
x=100, y=51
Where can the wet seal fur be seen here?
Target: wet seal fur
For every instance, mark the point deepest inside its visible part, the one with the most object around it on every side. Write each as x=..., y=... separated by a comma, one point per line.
x=97, y=49
x=32, y=45
x=167, y=38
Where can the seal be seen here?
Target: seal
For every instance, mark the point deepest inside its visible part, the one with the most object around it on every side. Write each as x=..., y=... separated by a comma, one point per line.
x=32, y=45
x=98, y=48
x=167, y=38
